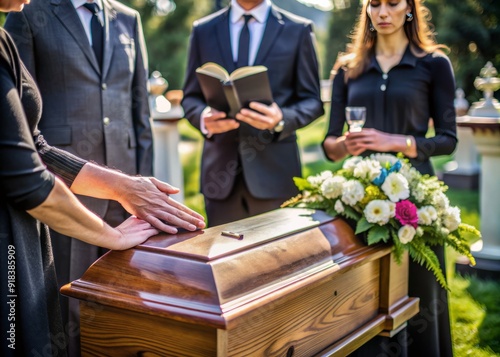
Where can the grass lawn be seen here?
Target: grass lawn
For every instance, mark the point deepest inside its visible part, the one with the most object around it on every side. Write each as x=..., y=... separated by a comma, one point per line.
x=474, y=303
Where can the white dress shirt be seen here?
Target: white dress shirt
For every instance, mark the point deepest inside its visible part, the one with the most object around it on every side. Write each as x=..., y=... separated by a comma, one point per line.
x=256, y=27
x=85, y=15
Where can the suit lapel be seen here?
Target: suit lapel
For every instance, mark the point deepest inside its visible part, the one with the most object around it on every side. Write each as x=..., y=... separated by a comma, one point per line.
x=109, y=37
x=66, y=13
x=224, y=41
x=274, y=26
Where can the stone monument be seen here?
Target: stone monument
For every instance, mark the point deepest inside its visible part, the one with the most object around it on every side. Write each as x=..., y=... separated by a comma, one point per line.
x=463, y=171
x=167, y=165
x=484, y=120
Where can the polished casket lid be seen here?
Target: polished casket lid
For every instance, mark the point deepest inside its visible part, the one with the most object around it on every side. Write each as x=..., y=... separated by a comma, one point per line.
x=205, y=277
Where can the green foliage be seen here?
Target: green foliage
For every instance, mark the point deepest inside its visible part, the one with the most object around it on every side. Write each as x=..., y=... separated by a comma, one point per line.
x=461, y=246
x=350, y=213
x=398, y=248
x=301, y=183
x=470, y=29
x=167, y=37
x=475, y=316
x=313, y=134
x=423, y=255
x=362, y=226
x=341, y=24
x=468, y=200
x=377, y=234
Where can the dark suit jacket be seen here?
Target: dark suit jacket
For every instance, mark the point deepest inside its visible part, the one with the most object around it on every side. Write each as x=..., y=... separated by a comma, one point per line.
x=269, y=160
x=101, y=116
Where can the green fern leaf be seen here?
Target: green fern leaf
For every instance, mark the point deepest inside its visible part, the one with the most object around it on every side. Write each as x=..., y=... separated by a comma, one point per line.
x=467, y=229
x=398, y=247
x=425, y=256
x=461, y=247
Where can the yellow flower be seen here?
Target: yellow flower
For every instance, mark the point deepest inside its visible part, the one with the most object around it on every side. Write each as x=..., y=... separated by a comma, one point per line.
x=372, y=192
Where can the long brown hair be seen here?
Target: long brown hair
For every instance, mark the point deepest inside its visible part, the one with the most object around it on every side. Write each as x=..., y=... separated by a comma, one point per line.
x=358, y=52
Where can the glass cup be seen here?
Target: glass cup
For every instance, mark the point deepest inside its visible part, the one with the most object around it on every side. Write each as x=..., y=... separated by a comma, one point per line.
x=356, y=117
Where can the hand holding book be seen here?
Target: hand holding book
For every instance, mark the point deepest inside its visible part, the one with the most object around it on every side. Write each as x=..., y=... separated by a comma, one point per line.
x=262, y=116
x=216, y=122
x=230, y=93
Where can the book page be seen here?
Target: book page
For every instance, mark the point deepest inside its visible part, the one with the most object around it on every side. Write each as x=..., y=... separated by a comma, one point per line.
x=246, y=71
x=214, y=70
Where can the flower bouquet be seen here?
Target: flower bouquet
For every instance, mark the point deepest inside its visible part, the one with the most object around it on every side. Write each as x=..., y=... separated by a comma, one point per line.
x=392, y=203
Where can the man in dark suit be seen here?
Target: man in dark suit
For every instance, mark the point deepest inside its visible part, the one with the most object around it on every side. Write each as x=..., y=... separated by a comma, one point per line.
x=249, y=161
x=95, y=104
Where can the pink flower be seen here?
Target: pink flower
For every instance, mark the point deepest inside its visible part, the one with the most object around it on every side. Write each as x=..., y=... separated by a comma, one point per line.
x=406, y=213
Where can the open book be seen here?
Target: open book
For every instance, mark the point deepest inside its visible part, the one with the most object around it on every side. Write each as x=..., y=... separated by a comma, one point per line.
x=231, y=92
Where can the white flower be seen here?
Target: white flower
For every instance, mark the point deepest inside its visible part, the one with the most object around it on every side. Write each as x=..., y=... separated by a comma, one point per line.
x=367, y=169
x=419, y=192
x=384, y=158
x=433, y=213
x=406, y=234
x=315, y=180
x=427, y=215
x=332, y=187
x=440, y=201
x=326, y=174
x=410, y=173
x=377, y=211
x=451, y=218
x=339, y=207
x=395, y=187
x=392, y=208
x=318, y=179
x=351, y=162
x=353, y=192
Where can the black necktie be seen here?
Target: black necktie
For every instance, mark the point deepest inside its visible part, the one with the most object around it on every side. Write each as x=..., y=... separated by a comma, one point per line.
x=96, y=30
x=244, y=44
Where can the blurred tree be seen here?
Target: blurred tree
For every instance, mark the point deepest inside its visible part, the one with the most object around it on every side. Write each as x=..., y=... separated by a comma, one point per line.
x=167, y=25
x=219, y=4
x=341, y=24
x=470, y=28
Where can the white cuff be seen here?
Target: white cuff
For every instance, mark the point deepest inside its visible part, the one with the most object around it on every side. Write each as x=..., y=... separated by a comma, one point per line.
x=203, y=129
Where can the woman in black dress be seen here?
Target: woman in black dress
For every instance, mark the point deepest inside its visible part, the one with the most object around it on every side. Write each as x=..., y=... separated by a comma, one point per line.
x=35, y=183
x=395, y=69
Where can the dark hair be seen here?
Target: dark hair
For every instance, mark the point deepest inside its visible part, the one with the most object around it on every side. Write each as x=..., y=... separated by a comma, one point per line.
x=419, y=33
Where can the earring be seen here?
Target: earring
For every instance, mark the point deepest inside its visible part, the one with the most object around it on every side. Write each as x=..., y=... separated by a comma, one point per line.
x=371, y=28
x=409, y=17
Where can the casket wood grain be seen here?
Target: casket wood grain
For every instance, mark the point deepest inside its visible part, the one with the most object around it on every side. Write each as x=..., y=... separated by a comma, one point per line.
x=299, y=283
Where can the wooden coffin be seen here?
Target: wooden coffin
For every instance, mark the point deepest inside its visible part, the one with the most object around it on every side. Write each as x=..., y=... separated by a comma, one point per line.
x=299, y=283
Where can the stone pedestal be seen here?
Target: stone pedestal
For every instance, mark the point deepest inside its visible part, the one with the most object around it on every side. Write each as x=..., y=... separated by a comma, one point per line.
x=463, y=171
x=166, y=113
x=486, y=132
x=167, y=163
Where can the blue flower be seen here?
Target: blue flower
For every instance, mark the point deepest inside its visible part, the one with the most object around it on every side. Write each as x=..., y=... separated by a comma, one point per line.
x=379, y=180
x=396, y=167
